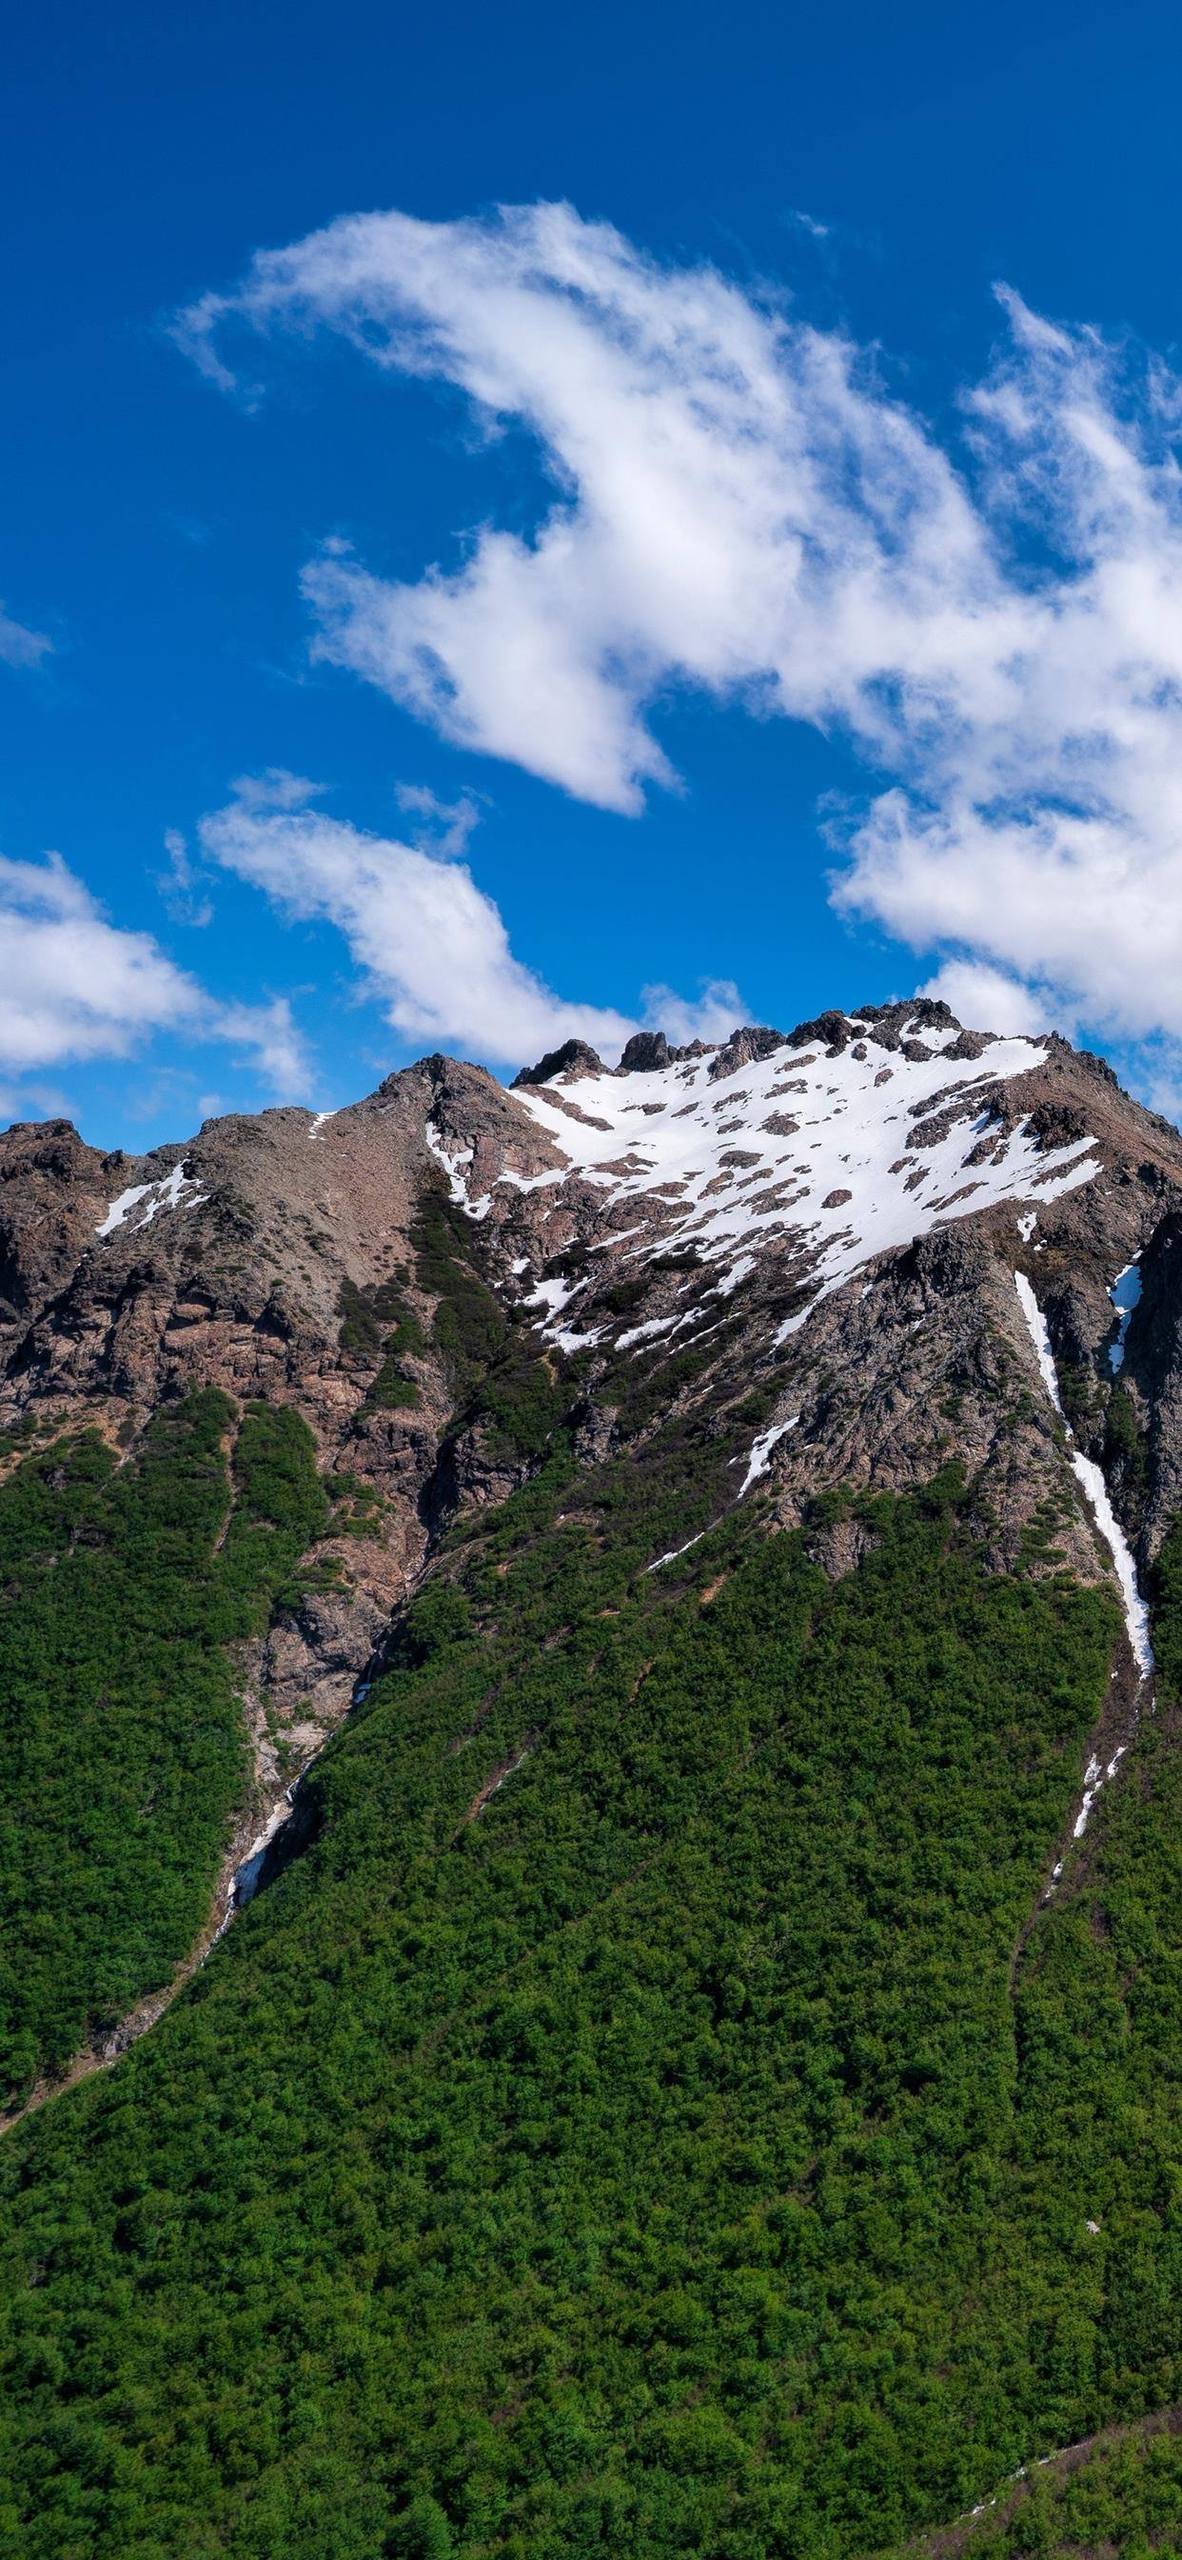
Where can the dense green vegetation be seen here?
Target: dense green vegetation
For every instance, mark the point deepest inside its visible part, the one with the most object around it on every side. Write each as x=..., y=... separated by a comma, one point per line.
x=377, y=1324
x=496, y=1373
x=494, y=1367
x=121, y=1735
x=1120, y=2499
x=632, y=2126
x=1167, y=1609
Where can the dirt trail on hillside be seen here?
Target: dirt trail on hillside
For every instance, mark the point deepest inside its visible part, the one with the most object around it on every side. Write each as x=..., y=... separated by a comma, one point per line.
x=950, y=2541
x=101, y=2057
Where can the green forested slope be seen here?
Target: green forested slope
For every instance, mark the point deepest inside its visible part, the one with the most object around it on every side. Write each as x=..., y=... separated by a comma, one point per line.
x=651, y=2153
x=1115, y=2497
x=122, y=1746
x=1098, y=2015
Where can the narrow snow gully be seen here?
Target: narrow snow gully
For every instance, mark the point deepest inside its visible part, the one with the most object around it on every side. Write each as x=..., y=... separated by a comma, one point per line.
x=757, y=1465
x=249, y=1876
x=1125, y=1294
x=1095, y=1489
x=1089, y=1476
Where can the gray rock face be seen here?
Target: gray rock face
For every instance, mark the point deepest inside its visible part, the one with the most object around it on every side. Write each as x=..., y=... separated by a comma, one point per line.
x=574, y=1058
x=645, y=1050
x=813, y=1236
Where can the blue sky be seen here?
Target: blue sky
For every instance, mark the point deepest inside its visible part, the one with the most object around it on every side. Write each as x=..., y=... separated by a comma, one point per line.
x=620, y=454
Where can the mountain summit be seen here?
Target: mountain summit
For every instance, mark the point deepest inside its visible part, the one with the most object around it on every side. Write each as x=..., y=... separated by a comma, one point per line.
x=830, y=1218
x=648, y=1583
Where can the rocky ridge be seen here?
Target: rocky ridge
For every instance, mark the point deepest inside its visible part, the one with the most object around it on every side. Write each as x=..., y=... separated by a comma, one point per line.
x=803, y=1245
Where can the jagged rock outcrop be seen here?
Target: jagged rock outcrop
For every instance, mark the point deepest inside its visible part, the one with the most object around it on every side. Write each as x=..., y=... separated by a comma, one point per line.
x=827, y=1222
x=574, y=1058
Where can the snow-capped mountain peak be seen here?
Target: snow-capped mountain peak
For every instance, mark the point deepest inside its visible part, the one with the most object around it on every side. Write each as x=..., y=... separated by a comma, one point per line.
x=834, y=1149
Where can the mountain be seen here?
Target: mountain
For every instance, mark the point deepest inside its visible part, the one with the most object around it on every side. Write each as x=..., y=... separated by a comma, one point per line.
x=581, y=1728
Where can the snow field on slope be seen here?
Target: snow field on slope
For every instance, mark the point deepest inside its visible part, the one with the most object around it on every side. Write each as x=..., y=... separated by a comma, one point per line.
x=671, y=1131
x=169, y=1193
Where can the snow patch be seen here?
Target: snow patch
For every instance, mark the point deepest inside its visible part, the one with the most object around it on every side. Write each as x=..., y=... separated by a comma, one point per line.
x=761, y=1453
x=1136, y=1613
x=168, y=1193
x=553, y=1295
x=1125, y=1294
x=675, y=1552
x=1036, y=1325
x=453, y=1168
x=649, y=1332
x=121, y=1208
x=246, y=1877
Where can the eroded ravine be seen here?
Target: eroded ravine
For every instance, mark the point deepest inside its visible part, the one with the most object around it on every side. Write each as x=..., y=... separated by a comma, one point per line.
x=1130, y=1697
x=243, y=1870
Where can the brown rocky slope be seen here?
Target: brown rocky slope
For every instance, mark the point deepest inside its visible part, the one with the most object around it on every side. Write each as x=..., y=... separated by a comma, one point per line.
x=810, y=1238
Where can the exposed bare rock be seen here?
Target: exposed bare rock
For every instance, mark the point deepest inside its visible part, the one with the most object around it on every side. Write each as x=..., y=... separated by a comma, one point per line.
x=53, y=1189
x=645, y=1049
x=751, y=1042
x=574, y=1058
x=849, y=1261
x=308, y=1671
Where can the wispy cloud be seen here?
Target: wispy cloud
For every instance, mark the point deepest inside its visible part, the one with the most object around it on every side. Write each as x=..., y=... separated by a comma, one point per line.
x=740, y=508
x=431, y=945
x=808, y=222
x=78, y=987
x=180, y=886
x=712, y=1014
x=20, y=647
x=444, y=825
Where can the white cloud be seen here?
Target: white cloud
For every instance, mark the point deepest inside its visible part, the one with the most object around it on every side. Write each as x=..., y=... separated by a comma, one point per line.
x=740, y=508
x=444, y=825
x=77, y=987
x=712, y=1015
x=267, y=1039
x=1158, y=1069
x=179, y=886
x=734, y=489
x=432, y=945
x=988, y=1000
x=36, y=1101
x=20, y=647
